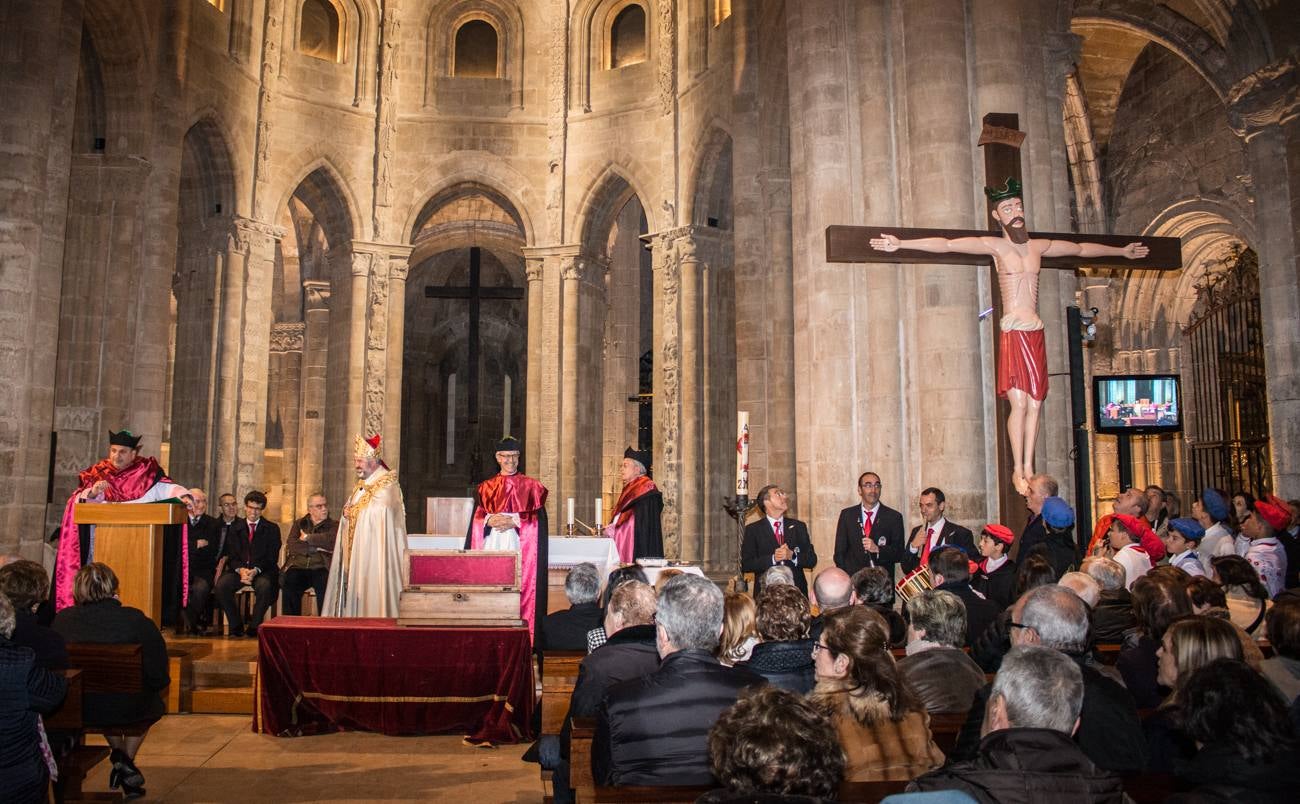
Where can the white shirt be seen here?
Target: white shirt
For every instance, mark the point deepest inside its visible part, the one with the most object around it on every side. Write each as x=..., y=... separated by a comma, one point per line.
x=1135, y=562
x=785, y=536
x=1268, y=557
x=1189, y=562
x=1216, y=542
x=936, y=536
x=991, y=564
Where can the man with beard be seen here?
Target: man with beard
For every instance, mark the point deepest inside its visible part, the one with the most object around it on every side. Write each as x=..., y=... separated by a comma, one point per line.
x=1022, y=364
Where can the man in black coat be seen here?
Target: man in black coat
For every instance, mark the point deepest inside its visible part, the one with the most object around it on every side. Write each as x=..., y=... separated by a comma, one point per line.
x=777, y=540
x=252, y=558
x=1040, y=488
x=950, y=570
x=869, y=534
x=1109, y=730
x=567, y=629
x=204, y=543
x=1113, y=615
x=654, y=730
x=934, y=532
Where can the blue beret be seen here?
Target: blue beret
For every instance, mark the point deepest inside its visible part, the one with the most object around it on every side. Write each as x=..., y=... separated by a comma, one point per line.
x=1188, y=527
x=1057, y=512
x=1215, y=505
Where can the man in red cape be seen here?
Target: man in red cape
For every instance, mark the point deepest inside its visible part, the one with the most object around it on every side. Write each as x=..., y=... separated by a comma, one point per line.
x=510, y=501
x=634, y=526
x=121, y=477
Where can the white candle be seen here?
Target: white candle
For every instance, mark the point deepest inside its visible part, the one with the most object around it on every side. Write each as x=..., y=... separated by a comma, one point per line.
x=570, y=511
x=742, y=453
x=599, y=513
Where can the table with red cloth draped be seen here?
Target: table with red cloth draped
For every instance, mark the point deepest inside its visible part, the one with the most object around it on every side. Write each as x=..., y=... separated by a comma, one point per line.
x=318, y=675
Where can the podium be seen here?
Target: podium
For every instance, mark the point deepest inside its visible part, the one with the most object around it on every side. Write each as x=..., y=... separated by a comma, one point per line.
x=129, y=539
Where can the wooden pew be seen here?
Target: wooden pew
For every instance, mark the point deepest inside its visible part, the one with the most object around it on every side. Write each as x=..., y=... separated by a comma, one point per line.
x=945, y=728
x=580, y=778
x=103, y=669
x=559, y=675
x=848, y=791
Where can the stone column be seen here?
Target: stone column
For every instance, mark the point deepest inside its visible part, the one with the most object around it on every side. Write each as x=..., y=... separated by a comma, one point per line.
x=287, y=342
x=39, y=58
x=315, y=352
x=1263, y=109
x=583, y=317
x=255, y=343
x=398, y=267
x=534, y=267
x=693, y=350
x=667, y=388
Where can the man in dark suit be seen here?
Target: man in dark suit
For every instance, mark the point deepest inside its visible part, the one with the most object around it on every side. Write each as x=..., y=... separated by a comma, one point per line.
x=869, y=534
x=934, y=532
x=950, y=571
x=252, y=558
x=654, y=730
x=204, y=536
x=1040, y=488
x=777, y=540
x=567, y=629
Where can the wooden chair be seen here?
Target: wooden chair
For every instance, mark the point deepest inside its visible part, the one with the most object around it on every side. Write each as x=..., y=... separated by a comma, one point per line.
x=103, y=669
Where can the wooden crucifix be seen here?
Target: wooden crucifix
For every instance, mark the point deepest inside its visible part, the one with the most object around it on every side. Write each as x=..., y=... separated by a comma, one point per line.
x=1016, y=255
x=477, y=294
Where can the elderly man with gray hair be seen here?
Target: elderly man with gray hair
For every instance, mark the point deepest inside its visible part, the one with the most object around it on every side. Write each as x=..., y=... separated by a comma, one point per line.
x=1112, y=616
x=567, y=629
x=1109, y=730
x=1026, y=751
x=943, y=675
x=654, y=730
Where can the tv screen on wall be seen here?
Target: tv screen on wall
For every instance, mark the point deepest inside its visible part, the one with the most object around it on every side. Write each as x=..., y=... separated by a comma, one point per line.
x=1137, y=404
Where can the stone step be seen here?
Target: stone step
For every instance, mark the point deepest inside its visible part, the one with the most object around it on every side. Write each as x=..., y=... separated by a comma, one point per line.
x=222, y=700
x=206, y=673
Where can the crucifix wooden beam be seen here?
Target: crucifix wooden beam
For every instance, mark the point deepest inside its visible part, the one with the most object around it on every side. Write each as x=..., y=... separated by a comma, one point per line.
x=476, y=294
x=1017, y=266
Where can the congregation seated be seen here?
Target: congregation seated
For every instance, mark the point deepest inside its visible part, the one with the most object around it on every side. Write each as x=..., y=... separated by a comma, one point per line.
x=882, y=725
x=832, y=589
x=1158, y=600
x=1112, y=617
x=1109, y=731
x=252, y=558
x=1248, y=600
x=783, y=654
x=1283, y=668
x=775, y=746
x=567, y=629
x=1188, y=645
x=944, y=677
x=27, y=585
x=1248, y=749
x=875, y=591
x=1206, y=598
x=950, y=571
x=1026, y=752
x=654, y=730
x=100, y=618
x=203, y=534
x=988, y=650
x=617, y=577
x=307, y=555
x=779, y=575
x=629, y=652
x=739, y=628
x=27, y=690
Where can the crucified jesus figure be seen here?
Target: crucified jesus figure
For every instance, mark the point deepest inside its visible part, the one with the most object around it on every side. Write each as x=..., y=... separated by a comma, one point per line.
x=1022, y=369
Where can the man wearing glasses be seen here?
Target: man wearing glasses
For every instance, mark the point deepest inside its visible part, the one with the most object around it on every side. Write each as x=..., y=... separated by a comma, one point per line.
x=307, y=555
x=252, y=557
x=869, y=534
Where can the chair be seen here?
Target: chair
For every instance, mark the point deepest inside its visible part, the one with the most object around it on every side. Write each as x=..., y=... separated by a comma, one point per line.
x=244, y=598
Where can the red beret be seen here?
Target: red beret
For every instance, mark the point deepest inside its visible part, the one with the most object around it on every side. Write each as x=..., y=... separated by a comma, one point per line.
x=1137, y=526
x=1278, y=518
x=1000, y=532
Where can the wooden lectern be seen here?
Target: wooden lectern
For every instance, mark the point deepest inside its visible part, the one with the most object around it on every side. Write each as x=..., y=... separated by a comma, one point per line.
x=129, y=539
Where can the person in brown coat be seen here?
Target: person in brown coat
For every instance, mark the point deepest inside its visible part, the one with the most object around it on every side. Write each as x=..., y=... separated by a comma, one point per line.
x=882, y=725
x=944, y=677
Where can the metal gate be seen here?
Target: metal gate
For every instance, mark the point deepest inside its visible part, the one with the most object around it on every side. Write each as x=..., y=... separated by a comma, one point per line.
x=1224, y=381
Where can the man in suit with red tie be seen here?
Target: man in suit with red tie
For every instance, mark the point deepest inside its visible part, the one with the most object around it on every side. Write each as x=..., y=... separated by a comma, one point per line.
x=775, y=540
x=935, y=532
x=869, y=534
x=252, y=554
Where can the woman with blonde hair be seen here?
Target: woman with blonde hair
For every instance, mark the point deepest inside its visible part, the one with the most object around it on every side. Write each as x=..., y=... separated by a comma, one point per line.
x=739, y=628
x=1188, y=645
x=882, y=725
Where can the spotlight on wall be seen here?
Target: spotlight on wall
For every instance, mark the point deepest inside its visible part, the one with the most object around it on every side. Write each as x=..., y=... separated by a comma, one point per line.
x=1088, y=325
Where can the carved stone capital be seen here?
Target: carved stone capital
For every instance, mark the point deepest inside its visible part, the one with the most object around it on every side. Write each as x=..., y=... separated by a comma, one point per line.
x=582, y=268
x=362, y=261
x=316, y=294
x=252, y=237
x=1270, y=96
x=287, y=337
x=398, y=268
x=534, y=269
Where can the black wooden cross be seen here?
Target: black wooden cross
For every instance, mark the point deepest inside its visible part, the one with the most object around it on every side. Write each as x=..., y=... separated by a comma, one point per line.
x=476, y=294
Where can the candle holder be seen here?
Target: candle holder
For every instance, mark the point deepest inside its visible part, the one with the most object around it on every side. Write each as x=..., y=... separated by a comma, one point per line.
x=569, y=530
x=598, y=531
x=737, y=508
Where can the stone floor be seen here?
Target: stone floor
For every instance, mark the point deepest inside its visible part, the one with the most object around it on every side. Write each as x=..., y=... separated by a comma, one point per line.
x=214, y=758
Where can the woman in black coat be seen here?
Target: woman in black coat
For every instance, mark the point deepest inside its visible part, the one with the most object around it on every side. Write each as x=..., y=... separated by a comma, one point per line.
x=26, y=690
x=99, y=617
x=784, y=656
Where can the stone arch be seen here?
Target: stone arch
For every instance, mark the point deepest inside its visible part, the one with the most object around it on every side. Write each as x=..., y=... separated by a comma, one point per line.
x=320, y=31
x=447, y=17
x=711, y=199
x=320, y=185
x=476, y=51
x=602, y=203
x=231, y=141
x=473, y=168
x=116, y=38
x=625, y=36
x=589, y=43
x=1084, y=158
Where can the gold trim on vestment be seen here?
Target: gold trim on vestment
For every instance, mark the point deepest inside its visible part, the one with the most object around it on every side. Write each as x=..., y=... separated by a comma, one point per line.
x=350, y=511
x=325, y=696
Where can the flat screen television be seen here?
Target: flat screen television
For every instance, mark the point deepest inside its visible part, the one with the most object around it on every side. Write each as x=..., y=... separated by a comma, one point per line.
x=1136, y=404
